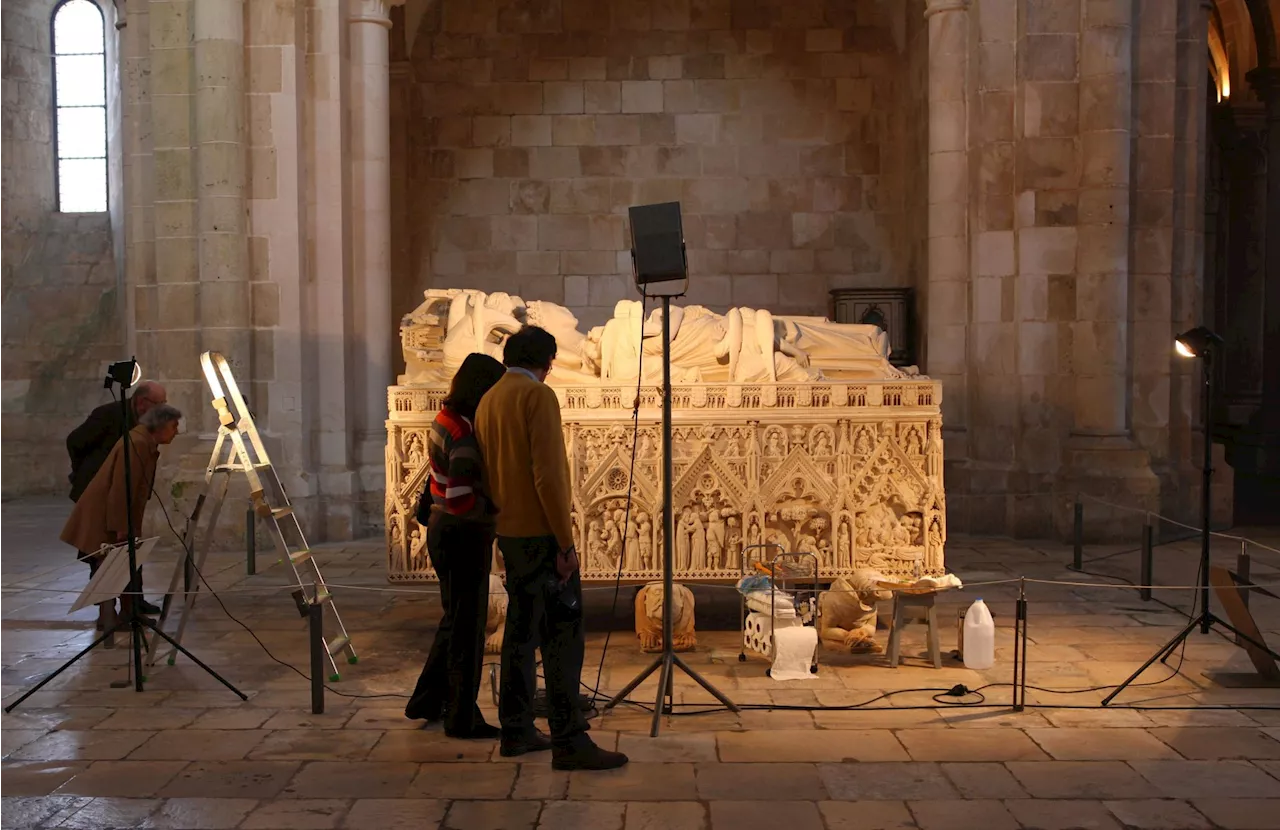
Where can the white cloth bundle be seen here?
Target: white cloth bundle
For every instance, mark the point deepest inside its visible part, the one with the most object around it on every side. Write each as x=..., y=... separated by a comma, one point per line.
x=778, y=603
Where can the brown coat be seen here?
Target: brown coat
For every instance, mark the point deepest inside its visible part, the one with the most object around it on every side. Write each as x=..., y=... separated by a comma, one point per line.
x=98, y=517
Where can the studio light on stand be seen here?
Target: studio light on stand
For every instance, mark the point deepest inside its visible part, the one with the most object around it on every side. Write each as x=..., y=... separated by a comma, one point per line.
x=126, y=374
x=1199, y=344
x=661, y=270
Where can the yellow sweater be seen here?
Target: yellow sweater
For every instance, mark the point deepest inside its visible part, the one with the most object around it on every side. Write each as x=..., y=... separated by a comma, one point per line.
x=526, y=467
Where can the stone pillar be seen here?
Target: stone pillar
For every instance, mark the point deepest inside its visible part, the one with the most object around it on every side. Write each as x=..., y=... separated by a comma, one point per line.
x=1101, y=331
x=220, y=182
x=947, y=294
x=370, y=157
x=1258, y=470
x=1102, y=458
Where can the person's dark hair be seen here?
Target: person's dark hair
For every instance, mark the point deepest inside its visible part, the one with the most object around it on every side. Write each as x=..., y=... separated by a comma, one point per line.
x=477, y=375
x=531, y=348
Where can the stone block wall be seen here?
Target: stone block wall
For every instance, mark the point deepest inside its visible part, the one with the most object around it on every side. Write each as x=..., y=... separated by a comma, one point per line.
x=62, y=315
x=781, y=127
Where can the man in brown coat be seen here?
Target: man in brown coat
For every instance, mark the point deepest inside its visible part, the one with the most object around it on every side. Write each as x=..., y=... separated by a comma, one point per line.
x=99, y=517
x=89, y=444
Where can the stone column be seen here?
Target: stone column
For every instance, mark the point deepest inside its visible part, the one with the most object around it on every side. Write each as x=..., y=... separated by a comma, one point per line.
x=220, y=181
x=947, y=295
x=1101, y=331
x=1263, y=431
x=370, y=155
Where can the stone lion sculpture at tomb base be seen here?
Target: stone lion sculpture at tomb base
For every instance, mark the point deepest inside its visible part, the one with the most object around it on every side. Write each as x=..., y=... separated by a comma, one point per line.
x=847, y=613
x=495, y=621
x=649, y=618
x=789, y=430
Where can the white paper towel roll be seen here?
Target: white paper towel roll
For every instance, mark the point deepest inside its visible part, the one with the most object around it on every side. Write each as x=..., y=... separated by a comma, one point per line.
x=794, y=653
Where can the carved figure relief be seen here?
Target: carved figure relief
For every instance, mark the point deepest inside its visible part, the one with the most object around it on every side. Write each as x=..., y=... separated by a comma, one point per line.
x=788, y=430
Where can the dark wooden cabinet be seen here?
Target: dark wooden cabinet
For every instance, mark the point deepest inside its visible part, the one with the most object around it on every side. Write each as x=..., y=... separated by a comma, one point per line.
x=892, y=309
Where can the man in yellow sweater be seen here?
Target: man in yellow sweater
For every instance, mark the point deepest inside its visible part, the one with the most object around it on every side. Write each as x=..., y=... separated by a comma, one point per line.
x=527, y=471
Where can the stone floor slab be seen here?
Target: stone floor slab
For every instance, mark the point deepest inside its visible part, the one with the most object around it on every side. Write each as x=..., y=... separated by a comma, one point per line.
x=123, y=779
x=111, y=814
x=492, y=815
x=297, y=814
x=969, y=745
x=810, y=746
x=1081, y=779
x=336, y=779
x=321, y=745
x=25, y=812
x=200, y=814
x=91, y=745
x=765, y=815
x=151, y=720
x=668, y=748
x=539, y=782
x=226, y=718
x=394, y=814
x=1216, y=743
x=1158, y=814
x=759, y=782
x=666, y=815
x=594, y=815
x=635, y=782
x=1097, y=744
x=885, y=782
x=962, y=815
x=866, y=815
x=424, y=746
x=1076, y=814
x=1241, y=813
x=474, y=781
x=231, y=779
x=199, y=745
x=37, y=778
x=983, y=780
x=1208, y=779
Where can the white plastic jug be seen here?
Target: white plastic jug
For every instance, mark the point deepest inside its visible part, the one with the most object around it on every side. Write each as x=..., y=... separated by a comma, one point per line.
x=979, y=637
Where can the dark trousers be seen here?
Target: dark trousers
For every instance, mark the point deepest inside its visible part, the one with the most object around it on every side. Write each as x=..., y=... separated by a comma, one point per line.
x=460, y=552
x=536, y=615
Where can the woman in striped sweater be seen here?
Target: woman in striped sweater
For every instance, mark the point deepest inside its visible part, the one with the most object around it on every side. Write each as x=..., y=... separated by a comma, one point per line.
x=459, y=518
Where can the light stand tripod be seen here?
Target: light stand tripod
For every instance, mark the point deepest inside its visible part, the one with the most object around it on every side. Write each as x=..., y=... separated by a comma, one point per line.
x=1198, y=342
x=668, y=283
x=125, y=374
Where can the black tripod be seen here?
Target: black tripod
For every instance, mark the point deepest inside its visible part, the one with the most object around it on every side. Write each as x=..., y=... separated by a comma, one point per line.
x=1199, y=342
x=123, y=374
x=668, y=661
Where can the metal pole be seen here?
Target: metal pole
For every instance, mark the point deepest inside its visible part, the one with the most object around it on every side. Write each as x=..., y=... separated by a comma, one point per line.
x=315, y=626
x=250, y=544
x=668, y=515
x=1206, y=490
x=1077, y=553
x=1242, y=577
x=1145, y=576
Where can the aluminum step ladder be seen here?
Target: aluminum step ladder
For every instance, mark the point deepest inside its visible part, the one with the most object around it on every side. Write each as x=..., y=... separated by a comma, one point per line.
x=239, y=449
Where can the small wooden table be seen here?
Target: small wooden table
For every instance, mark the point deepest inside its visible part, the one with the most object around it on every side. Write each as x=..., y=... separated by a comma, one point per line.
x=906, y=598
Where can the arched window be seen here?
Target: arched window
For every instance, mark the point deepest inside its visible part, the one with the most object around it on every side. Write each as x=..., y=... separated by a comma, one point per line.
x=80, y=106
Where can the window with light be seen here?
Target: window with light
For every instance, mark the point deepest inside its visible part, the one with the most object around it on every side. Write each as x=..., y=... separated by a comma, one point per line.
x=80, y=106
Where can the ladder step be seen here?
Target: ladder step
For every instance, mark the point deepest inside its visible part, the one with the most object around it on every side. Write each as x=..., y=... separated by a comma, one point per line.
x=299, y=557
x=281, y=512
x=239, y=468
x=322, y=596
x=338, y=644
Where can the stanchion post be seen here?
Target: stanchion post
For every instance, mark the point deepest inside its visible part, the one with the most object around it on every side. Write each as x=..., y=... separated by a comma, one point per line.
x=1145, y=578
x=1077, y=536
x=315, y=626
x=1020, y=650
x=250, y=544
x=1242, y=574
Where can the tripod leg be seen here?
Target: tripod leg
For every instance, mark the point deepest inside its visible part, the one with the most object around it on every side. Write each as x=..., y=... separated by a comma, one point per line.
x=1167, y=649
x=108, y=633
x=704, y=683
x=194, y=659
x=631, y=687
x=664, y=682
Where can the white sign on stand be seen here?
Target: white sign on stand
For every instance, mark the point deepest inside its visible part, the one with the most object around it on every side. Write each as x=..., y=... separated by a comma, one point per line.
x=112, y=576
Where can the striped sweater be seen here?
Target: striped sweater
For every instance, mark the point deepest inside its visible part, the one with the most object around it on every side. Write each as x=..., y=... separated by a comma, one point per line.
x=456, y=485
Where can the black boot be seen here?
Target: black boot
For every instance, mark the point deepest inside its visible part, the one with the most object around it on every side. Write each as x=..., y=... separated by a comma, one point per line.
x=522, y=744
x=585, y=755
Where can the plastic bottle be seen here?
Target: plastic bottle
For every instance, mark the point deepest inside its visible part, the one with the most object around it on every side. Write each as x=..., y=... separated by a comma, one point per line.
x=979, y=637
